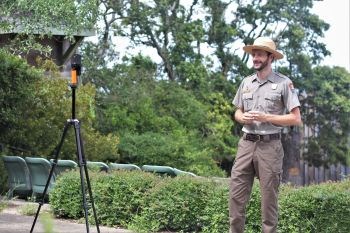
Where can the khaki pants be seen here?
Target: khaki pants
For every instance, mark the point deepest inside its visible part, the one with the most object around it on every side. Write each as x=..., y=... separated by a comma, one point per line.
x=262, y=159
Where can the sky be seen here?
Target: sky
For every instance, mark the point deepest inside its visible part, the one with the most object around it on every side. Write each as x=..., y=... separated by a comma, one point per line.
x=337, y=38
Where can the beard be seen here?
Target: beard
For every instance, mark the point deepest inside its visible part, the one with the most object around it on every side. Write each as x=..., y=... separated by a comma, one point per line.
x=261, y=66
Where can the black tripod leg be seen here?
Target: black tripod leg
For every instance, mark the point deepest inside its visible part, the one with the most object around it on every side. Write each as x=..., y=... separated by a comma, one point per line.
x=89, y=187
x=82, y=163
x=50, y=174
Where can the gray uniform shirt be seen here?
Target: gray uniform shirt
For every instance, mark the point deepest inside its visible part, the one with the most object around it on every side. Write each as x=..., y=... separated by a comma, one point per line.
x=275, y=95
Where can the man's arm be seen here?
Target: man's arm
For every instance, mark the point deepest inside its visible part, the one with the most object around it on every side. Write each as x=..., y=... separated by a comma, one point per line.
x=243, y=117
x=292, y=118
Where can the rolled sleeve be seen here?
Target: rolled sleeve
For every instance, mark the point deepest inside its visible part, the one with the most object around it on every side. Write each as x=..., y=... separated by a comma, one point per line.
x=237, y=101
x=290, y=97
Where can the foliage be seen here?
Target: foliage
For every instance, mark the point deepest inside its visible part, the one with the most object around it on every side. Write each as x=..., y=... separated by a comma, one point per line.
x=177, y=112
x=44, y=18
x=46, y=220
x=174, y=204
x=118, y=196
x=121, y=193
x=28, y=209
x=316, y=208
x=3, y=206
x=186, y=204
x=215, y=213
x=17, y=95
x=178, y=32
x=158, y=122
x=66, y=197
x=327, y=109
x=197, y=44
x=49, y=101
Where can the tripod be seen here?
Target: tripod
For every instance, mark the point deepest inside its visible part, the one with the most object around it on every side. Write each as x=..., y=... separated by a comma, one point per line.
x=76, y=70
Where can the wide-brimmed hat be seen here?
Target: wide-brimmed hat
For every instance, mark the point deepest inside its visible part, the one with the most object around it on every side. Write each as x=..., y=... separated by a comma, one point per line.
x=265, y=44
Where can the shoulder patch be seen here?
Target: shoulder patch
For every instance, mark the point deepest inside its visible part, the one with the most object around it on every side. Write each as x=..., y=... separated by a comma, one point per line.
x=291, y=86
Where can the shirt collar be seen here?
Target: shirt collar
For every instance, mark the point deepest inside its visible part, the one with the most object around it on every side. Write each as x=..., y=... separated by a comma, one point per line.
x=271, y=77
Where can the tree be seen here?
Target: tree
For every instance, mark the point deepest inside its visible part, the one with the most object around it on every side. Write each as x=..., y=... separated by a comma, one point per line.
x=158, y=122
x=44, y=17
x=198, y=45
x=167, y=26
x=35, y=108
x=327, y=114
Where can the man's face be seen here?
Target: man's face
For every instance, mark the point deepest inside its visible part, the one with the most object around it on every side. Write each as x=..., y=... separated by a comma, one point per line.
x=261, y=59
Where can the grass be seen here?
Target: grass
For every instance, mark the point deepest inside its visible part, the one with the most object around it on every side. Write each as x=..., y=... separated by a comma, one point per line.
x=3, y=205
x=28, y=209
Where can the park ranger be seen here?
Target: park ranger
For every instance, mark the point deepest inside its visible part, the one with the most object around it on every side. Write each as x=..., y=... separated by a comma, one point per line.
x=265, y=102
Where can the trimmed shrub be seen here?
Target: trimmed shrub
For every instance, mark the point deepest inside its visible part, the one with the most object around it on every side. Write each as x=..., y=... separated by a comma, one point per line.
x=145, y=202
x=317, y=208
x=119, y=195
x=174, y=204
x=66, y=198
x=215, y=214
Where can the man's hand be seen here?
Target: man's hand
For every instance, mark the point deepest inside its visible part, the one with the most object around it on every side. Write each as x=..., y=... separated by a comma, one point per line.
x=247, y=118
x=251, y=116
x=258, y=116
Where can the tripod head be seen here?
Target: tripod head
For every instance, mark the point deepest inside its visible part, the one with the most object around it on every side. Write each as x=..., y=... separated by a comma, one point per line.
x=76, y=69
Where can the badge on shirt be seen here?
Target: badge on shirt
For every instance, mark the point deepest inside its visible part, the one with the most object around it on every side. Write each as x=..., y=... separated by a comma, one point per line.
x=274, y=86
x=246, y=90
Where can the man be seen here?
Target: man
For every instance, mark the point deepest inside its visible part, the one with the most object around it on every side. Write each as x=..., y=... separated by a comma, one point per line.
x=265, y=101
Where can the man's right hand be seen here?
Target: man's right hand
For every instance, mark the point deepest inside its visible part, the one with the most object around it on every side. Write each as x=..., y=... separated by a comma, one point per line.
x=248, y=117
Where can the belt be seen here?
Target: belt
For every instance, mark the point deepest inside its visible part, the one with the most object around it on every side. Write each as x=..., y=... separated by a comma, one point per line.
x=258, y=137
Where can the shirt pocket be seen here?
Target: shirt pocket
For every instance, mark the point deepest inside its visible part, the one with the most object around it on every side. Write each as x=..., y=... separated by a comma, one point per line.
x=273, y=102
x=247, y=101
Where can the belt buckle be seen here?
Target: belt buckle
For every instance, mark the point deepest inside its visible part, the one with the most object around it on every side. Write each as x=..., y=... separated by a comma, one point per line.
x=253, y=137
x=260, y=137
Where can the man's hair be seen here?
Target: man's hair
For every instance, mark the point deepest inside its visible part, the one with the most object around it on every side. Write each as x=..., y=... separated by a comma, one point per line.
x=268, y=54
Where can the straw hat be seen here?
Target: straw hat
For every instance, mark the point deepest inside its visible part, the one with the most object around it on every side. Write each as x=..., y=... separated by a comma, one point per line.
x=265, y=44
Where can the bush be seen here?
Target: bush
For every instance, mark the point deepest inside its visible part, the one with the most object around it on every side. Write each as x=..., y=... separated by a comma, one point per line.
x=119, y=195
x=48, y=97
x=146, y=203
x=66, y=198
x=174, y=204
x=317, y=208
x=215, y=214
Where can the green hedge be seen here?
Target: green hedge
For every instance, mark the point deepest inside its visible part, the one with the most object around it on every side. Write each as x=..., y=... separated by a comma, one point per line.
x=174, y=204
x=144, y=202
x=120, y=195
x=317, y=208
x=117, y=195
